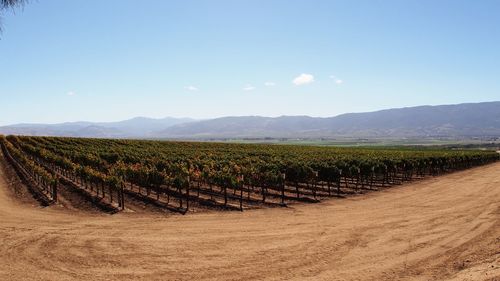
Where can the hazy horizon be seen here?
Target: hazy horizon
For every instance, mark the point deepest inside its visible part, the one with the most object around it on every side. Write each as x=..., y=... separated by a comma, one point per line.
x=216, y=117
x=67, y=61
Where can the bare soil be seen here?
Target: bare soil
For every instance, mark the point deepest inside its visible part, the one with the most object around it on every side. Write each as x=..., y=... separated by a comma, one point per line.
x=444, y=228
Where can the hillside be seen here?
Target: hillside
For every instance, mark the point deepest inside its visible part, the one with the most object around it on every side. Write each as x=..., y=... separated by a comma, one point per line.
x=462, y=120
x=137, y=127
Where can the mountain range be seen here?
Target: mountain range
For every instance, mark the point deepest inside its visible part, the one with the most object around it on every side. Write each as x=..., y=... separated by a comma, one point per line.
x=139, y=127
x=452, y=121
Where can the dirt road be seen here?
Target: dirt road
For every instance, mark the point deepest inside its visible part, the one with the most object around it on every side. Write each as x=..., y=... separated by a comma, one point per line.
x=436, y=229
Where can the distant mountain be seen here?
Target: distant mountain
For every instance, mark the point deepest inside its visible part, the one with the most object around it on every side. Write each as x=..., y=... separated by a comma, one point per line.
x=139, y=127
x=451, y=121
x=463, y=120
x=143, y=126
x=251, y=127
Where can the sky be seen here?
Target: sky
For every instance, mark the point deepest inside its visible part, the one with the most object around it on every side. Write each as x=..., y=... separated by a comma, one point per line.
x=109, y=60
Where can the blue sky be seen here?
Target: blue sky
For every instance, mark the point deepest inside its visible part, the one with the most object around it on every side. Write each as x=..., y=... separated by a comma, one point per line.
x=110, y=60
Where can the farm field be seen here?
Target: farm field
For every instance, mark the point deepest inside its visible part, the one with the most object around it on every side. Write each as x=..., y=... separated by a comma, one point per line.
x=187, y=177
x=438, y=228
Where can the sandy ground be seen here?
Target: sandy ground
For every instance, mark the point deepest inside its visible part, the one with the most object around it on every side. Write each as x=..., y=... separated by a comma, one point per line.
x=445, y=228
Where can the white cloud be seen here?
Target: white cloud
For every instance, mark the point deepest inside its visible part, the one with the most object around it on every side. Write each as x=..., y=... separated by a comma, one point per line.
x=248, y=87
x=71, y=93
x=336, y=79
x=191, y=88
x=269, y=84
x=303, y=79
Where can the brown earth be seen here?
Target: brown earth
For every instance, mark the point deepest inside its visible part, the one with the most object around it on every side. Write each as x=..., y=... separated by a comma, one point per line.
x=444, y=228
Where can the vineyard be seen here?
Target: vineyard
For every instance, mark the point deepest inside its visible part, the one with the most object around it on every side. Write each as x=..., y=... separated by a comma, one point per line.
x=190, y=176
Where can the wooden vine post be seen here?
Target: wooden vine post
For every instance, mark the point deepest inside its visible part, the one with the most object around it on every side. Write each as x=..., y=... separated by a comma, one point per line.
x=315, y=186
x=188, y=185
x=241, y=185
x=283, y=184
x=54, y=189
x=225, y=194
x=338, y=182
x=121, y=197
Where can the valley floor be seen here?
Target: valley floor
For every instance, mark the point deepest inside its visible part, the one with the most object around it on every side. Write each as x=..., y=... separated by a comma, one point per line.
x=443, y=228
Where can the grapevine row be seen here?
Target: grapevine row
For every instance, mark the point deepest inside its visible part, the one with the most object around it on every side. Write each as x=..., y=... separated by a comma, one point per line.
x=236, y=175
x=43, y=180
